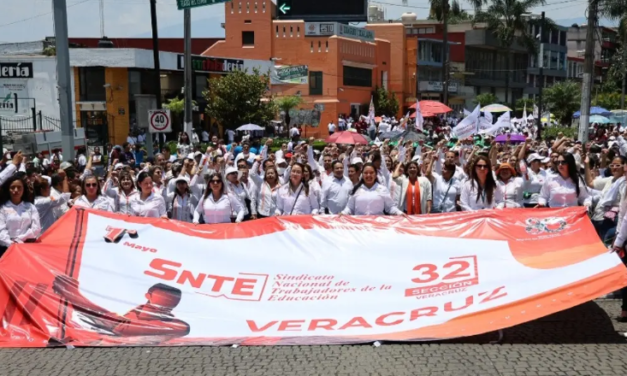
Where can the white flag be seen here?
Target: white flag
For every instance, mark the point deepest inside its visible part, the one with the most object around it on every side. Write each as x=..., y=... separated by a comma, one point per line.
x=468, y=126
x=405, y=121
x=503, y=121
x=524, y=118
x=466, y=112
x=419, y=119
x=535, y=111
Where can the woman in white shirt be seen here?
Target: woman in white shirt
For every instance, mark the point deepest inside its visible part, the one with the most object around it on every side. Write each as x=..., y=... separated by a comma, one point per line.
x=369, y=197
x=446, y=187
x=19, y=219
x=565, y=189
x=92, y=197
x=218, y=206
x=479, y=191
x=147, y=204
x=184, y=146
x=236, y=188
x=263, y=203
x=46, y=204
x=310, y=178
x=295, y=197
x=509, y=186
x=534, y=177
x=415, y=190
x=156, y=173
x=121, y=190
x=619, y=246
x=181, y=203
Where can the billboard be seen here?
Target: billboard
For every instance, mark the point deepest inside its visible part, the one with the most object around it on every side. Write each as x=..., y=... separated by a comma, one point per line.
x=323, y=10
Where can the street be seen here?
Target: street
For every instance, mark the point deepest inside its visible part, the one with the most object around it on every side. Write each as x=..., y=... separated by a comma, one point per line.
x=583, y=341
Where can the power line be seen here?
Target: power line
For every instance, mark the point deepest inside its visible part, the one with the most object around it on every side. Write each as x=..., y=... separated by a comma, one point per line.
x=42, y=15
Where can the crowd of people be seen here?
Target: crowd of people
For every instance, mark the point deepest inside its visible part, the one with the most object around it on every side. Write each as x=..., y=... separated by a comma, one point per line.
x=238, y=182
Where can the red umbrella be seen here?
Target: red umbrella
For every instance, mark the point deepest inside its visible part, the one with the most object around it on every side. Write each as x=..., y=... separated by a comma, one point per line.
x=433, y=107
x=424, y=114
x=346, y=137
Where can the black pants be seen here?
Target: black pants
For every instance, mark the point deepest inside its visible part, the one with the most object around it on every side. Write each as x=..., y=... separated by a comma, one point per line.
x=2, y=250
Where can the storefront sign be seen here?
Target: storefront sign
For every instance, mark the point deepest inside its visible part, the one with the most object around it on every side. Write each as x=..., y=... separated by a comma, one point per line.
x=437, y=86
x=8, y=104
x=296, y=74
x=16, y=70
x=188, y=4
x=335, y=28
x=210, y=64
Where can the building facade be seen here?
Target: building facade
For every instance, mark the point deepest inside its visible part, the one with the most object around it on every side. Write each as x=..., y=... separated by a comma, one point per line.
x=604, y=48
x=343, y=64
x=552, y=51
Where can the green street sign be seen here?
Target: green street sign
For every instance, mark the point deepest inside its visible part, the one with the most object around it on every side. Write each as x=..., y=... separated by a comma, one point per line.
x=284, y=8
x=187, y=4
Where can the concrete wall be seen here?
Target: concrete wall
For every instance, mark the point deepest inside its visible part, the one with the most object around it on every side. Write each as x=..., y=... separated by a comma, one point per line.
x=42, y=87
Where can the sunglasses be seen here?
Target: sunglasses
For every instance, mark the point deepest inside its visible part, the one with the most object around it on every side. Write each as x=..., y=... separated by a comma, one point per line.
x=562, y=163
x=481, y=166
x=91, y=185
x=215, y=182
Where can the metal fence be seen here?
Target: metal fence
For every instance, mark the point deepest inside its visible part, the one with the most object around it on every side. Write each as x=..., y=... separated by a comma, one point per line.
x=28, y=124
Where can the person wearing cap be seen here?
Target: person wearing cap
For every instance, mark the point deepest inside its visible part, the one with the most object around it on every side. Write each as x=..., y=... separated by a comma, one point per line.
x=180, y=204
x=335, y=191
x=217, y=205
x=295, y=197
x=534, y=177
x=235, y=188
x=509, y=186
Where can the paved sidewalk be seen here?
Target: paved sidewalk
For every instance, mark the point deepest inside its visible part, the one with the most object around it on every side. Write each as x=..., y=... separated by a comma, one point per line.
x=584, y=341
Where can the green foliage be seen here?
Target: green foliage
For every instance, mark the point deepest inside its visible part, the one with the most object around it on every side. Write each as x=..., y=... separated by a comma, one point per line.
x=385, y=103
x=455, y=12
x=240, y=98
x=288, y=102
x=486, y=99
x=520, y=104
x=277, y=142
x=609, y=101
x=563, y=99
x=552, y=132
x=177, y=105
x=50, y=51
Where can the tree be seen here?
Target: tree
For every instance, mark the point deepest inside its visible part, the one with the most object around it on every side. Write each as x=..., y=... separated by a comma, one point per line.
x=385, y=103
x=486, y=99
x=529, y=102
x=455, y=12
x=286, y=103
x=240, y=98
x=617, y=11
x=563, y=99
x=608, y=101
x=508, y=20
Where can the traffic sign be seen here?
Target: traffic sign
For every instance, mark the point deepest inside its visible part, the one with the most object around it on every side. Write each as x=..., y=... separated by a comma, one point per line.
x=285, y=7
x=187, y=4
x=159, y=121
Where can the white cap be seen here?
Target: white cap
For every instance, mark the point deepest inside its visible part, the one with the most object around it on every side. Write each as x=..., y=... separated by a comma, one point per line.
x=280, y=160
x=534, y=157
x=416, y=158
x=118, y=165
x=230, y=170
x=546, y=160
x=612, y=138
x=190, y=156
x=357, y=160
x=181, y=178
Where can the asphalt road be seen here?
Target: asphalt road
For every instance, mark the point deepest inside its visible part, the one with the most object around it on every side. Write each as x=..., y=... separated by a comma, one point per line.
x=583, y=341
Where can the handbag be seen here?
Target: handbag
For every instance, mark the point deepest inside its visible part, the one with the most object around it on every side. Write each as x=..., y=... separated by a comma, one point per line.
x=611, y=214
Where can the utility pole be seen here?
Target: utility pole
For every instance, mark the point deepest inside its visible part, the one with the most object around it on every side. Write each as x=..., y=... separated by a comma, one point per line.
x=157, y=66
x=63, y=78
x=188, y=71
x=445, y=65
x=622, y=97
x=588, y=71
x=541, y=76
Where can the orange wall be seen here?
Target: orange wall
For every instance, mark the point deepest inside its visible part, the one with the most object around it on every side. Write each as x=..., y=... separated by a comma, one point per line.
x=412, y=70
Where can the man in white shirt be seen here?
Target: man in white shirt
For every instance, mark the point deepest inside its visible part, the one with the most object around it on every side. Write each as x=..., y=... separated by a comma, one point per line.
x=230, y=135
x=294, y=133
x=335, y=191
x=331, y=128
x=130, y=139
x=205, y=136
x=246, y=155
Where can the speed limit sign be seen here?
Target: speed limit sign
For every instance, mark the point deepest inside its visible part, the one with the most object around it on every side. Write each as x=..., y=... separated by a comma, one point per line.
x=159, y=121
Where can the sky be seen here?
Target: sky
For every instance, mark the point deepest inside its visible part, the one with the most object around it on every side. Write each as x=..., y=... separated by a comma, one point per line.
x=31, y=20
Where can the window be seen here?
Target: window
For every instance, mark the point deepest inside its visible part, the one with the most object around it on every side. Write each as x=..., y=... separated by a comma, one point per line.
x=357, y=77
x=315, y=83
x=201, y=85
x=248, y=21
x=92, y=81
x=248, y=38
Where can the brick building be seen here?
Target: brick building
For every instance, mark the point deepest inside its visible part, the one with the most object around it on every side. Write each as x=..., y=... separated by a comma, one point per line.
x=344, y=64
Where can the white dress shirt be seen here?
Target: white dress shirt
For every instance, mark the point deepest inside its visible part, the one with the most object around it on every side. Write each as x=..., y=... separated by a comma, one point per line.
x=511, y=193
x=8, y=171
x=181, y=207
x=335, y=194
x=533, y=185
x=558, y=192
x=18, y=223
x=375, y=200
x=152, y=207
x=240, y=192
x=100, y=203
x=61, y=209
x=296, y=202
x=45, y=207
x=121, y=200
x=469, y=201
x=263, y=200
x=219, y=211
x=445, y=193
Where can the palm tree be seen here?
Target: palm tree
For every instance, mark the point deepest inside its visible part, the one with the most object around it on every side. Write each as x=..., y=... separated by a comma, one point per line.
x=444, y=12
x=508, y=20
x=563, y=99
x=617, y=10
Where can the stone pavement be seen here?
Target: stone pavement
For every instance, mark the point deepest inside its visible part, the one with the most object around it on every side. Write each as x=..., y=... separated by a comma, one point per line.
x=583, y=341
